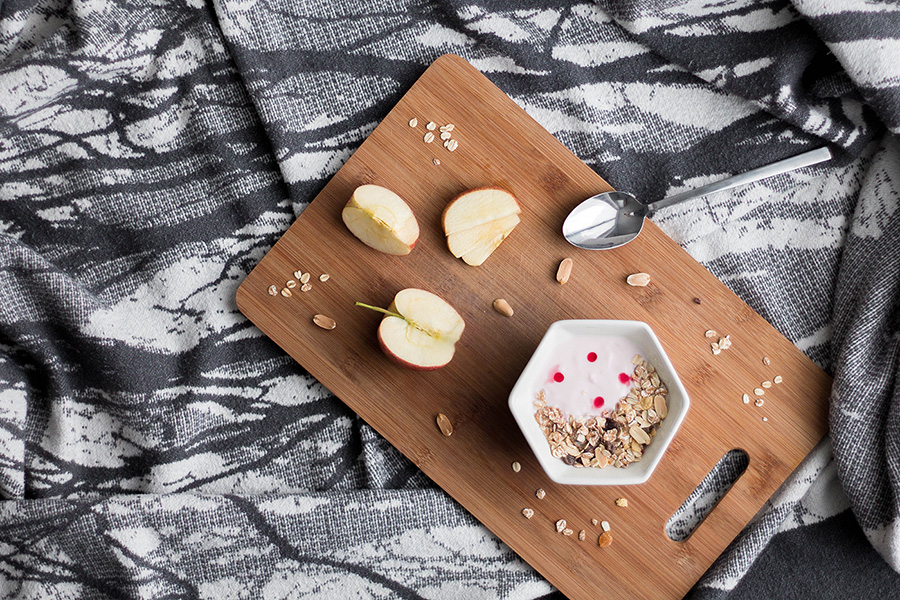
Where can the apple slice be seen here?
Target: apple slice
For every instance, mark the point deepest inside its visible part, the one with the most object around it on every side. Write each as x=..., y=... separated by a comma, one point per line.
x=476, y=223
x=462, y=242
x=419, y=330
x=381, y=219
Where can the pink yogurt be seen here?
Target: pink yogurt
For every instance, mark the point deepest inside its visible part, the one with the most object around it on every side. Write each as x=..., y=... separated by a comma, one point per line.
x=589, y=374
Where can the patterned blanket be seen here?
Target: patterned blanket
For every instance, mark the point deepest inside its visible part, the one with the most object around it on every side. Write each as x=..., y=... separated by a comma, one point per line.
x=153, y=443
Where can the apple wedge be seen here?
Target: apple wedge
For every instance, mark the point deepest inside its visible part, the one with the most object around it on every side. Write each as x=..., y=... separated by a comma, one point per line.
x=419, y=329
x=381, y=220
x=476, y=223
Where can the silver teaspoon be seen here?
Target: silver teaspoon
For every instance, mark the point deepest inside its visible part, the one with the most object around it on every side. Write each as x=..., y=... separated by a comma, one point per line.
x=611, y=219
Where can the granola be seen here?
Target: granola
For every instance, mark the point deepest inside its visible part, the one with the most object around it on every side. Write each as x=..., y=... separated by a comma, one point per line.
x=615, y=437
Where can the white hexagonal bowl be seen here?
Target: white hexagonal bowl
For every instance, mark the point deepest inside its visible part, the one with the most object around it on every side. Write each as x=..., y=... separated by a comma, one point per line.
x=523, y=395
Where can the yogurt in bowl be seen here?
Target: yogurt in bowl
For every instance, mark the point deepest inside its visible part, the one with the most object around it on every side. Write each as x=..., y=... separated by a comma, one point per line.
x=599, y=402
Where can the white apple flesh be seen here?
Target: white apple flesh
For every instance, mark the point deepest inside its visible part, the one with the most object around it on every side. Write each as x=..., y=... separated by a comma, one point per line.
x=476, y=223
x=381, y=220
x=419, y=329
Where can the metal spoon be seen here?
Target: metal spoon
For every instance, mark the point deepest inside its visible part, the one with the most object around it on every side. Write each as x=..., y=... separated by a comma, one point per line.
x=611, y=219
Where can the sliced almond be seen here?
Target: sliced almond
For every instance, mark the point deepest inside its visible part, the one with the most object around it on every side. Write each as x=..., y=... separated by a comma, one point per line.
x=444, y=424
x=638, y=279
x=564, y=271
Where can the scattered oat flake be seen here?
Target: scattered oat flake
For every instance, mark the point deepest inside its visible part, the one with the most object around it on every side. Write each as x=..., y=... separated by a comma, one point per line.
x=528, y=513
x=581, y=535
x=452, y=145
x=623, y=502
x=605, y=539
x=446, y=135
x=324, y=322
x=594, y=521
x=746, y=399
x=436, y=162
x=767, y=384
x=286, y=292
x=516, y=467
x=711, y=333
x=540, y=493
x=448, y=127
x=715, y=349
x=604, y=525
x=444, y=424
x=638, y=279
x=431, y=126
x=759, y=391
x=778, y=379
x=725, y=342
x=305, y=277
x=766, y=361
x=759, y=402
x=291, y=283
x=273, y=291
x=765, y=419
x=429, y=137
x=324, y=277
x=561, y=525
x=413, y=122
x=305, y=287
x=567, y=531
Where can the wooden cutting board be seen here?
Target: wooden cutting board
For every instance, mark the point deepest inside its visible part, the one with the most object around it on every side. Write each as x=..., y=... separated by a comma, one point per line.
x=499, y=144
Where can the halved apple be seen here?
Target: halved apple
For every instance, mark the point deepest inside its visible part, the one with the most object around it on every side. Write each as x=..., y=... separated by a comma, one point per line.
x=476, y=223
x=381, y=220
x=419, y=329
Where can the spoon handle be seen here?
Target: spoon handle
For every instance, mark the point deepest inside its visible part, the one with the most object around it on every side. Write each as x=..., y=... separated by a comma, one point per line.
x=777, y=168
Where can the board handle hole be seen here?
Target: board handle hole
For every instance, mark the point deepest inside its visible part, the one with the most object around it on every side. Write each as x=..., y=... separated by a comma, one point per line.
x=707, y=495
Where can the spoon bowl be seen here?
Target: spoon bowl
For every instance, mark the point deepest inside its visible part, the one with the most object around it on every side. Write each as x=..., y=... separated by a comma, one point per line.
x=605, y=221
x=611, y=219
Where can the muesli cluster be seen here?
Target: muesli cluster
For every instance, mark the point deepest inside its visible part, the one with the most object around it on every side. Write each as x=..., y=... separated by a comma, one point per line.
x=616, y=438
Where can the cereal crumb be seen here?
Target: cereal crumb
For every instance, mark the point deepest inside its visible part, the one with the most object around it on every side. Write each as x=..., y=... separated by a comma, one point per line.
x=594, y=521
x=623, y=502
x=528, y=513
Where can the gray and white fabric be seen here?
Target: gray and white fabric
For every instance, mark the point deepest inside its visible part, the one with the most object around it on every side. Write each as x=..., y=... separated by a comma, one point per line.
x=153, y=443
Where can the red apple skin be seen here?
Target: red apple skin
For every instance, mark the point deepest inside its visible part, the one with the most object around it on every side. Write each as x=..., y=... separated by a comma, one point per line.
x=402, y=362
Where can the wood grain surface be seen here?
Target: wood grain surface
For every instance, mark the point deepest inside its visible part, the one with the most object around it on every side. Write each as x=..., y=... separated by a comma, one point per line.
x=500, y=145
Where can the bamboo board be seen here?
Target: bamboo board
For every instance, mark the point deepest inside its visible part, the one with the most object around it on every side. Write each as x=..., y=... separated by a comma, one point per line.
x=499, y=144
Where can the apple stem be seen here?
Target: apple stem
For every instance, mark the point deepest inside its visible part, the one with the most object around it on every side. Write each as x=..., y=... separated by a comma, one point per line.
x=381, y=310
